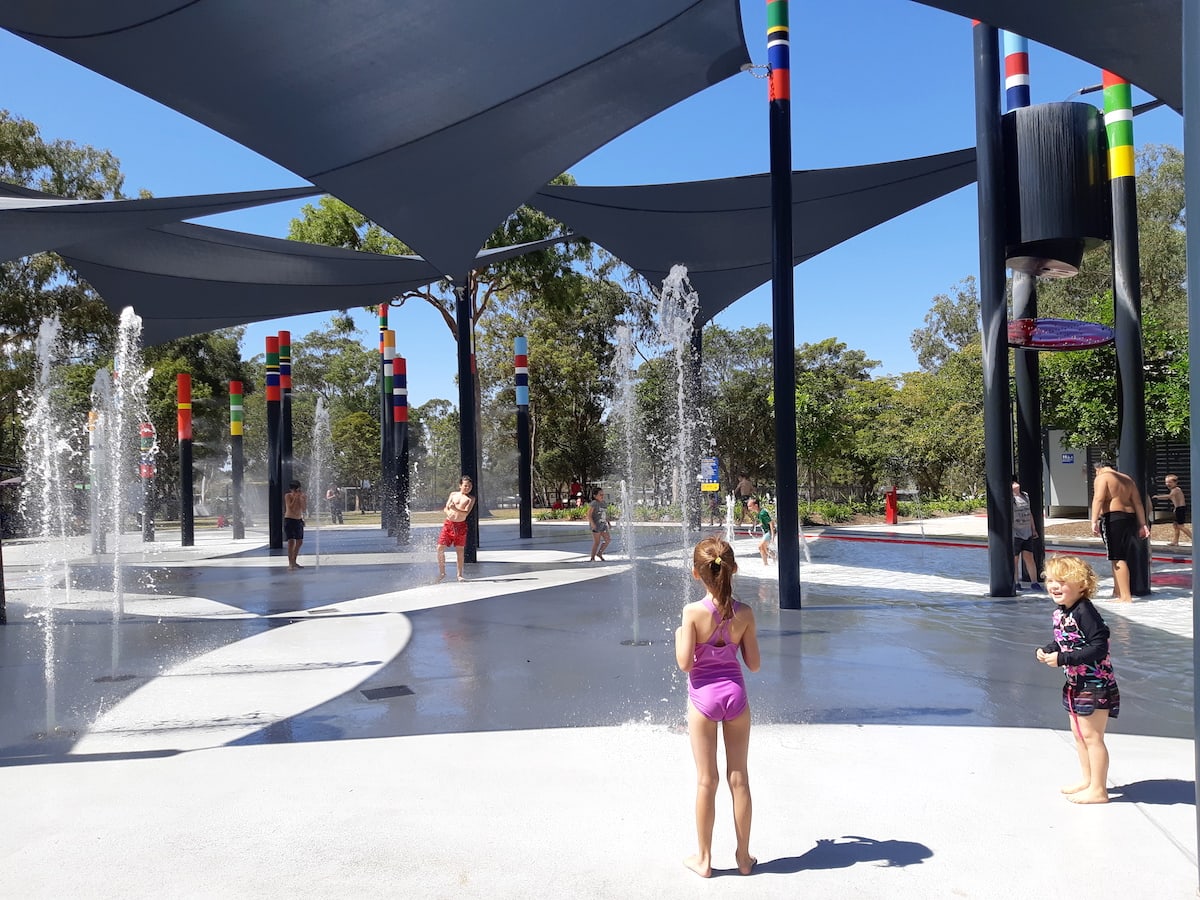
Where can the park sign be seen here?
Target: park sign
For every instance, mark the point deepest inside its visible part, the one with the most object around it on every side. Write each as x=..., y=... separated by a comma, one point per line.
x=710, y=479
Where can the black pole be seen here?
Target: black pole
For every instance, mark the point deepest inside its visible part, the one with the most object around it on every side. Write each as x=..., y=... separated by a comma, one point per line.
x=1191, y=157
x=695, y=396
x=388, y=499
x=287, y=468
x=783, y=313
x=387, y=450
x=3, y=601
x=1131, y=379
x=1029, y=416
x=997, y=427
x=466, y=408
x=274, y=473
x=148, y=440
x=400, y=436
x=237, y=459
x=187, y=522
x=524, y=437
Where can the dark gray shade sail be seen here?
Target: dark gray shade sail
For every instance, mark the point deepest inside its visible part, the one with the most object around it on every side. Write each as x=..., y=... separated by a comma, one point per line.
x=1140, y=40
x=32, y=221
x=436, y=120
x=187, y=279
x=721, y=229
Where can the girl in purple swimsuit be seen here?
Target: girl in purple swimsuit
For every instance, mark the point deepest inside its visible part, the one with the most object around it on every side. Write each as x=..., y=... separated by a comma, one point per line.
x=706, y=647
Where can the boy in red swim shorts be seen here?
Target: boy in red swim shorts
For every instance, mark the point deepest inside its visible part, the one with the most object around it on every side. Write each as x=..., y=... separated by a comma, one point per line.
x=454, y=531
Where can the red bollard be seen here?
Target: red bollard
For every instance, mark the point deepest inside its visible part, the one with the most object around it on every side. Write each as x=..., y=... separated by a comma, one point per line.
x=891, y=507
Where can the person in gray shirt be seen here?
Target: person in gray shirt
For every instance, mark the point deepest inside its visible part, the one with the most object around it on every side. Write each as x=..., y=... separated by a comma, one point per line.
x=1024, y=537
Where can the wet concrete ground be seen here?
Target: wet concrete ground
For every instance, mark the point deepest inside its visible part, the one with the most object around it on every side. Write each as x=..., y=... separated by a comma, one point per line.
x=230, y=652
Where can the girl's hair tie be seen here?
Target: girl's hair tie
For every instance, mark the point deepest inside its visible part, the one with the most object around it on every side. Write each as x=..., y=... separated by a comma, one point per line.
x=716, y=561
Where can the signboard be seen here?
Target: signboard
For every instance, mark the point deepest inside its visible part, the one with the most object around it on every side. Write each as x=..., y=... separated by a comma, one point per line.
x=1068, y=459
x=710, y=477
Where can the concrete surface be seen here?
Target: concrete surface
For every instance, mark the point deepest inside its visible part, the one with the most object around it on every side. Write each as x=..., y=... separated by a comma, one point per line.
x=213, y=733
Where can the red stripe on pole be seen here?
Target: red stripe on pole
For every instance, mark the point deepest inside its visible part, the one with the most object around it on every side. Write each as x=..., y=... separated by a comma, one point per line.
x=183, y=417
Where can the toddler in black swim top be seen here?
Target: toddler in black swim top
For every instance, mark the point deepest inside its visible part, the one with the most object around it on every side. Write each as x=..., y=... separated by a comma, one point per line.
x=1080, y=647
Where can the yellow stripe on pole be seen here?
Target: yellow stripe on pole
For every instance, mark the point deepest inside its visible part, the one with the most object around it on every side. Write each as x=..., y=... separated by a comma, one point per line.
x=1120, y=162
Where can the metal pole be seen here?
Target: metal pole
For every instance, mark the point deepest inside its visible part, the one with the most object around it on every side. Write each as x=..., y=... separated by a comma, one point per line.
x=147, y=438
x=385, y=415
x=997, y=425
x=237, y=460
x=783, y=329
x=387, y=481
x=1127, y=301
x=466, y=407
x=400, y=441
x=274, y=474
x=287, y=466
x=183, y=424
x=1191, y=156
x=1029, y=416
x=1026, y=364
x=524, y=438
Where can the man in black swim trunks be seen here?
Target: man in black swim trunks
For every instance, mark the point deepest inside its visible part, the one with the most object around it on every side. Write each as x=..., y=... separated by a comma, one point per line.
x=1118, y=514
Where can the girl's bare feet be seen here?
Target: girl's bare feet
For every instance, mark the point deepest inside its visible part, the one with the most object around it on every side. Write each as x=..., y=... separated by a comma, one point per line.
x=1089, y=796
x=702, y=866
x=460, y=578
x=746, y=865
x=441, y=577
x=1075, y=788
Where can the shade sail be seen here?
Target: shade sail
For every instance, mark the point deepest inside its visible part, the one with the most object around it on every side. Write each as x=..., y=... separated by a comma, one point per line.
x=436, y=120
x=1140, y=40
x=721, y=229
x=31, y=221
x=186, y=279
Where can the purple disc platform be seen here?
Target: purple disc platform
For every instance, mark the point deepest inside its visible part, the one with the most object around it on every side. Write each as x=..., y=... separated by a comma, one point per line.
x=1057, y=334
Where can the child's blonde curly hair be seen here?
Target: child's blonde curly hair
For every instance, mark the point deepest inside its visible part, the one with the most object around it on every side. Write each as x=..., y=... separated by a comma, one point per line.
x=1073, y=570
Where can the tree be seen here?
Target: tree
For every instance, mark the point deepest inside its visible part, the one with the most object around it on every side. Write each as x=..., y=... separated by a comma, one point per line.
x=825, y=371
x=951, y=324
x=546, y=274
x=41, y=285
x=737, y=377
x=1079, y=389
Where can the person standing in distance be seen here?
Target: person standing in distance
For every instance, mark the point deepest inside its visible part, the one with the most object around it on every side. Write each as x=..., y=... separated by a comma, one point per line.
x=295, y=506
x=1024, y=538
x=454, y=530
x=1179, y=503
x=1118, y=516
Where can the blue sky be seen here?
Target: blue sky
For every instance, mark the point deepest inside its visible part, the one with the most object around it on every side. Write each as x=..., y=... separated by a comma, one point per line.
x=872, y=80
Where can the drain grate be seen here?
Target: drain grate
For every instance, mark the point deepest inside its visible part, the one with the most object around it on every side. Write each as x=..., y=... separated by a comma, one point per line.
x=387, y=693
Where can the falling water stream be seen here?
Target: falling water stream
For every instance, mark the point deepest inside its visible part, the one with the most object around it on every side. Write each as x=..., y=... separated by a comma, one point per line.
x=319, y=468
x=45, y=498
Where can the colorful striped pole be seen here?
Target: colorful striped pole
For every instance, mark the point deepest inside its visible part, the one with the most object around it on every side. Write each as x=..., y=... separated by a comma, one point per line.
x=1016, y=70
x=237, y=459
x=387, y=480
x=997, y=421
x=1127, y=300
x=787, y=517
x=183, y=430
x=400, y=442
x=286, y=442
x=274, y=470
x=524, y=443
x=1026, y=366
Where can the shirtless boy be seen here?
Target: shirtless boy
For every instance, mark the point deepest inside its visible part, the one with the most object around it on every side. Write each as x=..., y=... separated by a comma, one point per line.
x=1179, y=504
x=454, y=531
x=295, y=505
x=1117, y=512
